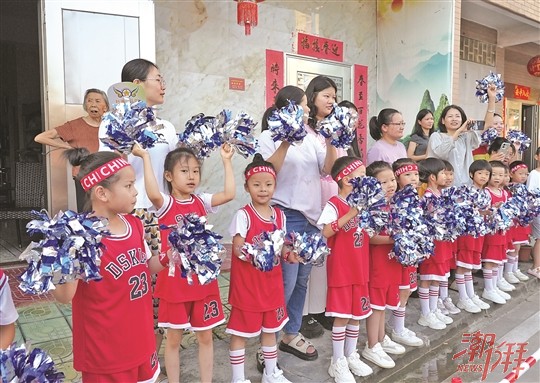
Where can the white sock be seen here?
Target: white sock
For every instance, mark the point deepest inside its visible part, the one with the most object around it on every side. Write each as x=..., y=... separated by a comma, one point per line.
x=423, y=294
x=495, y=276
x=488, y=279
x=270, y=359
x=433, y=297
x=351, y=339
x=236, y=357
x=338, y=342
x=500, y=274
x=460, y=283
x=509, y=265
x=469, y=285
x=443, y=289
x=399, y=319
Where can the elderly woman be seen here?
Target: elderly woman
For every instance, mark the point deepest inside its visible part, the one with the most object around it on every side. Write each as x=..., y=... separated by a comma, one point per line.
x=79, y=133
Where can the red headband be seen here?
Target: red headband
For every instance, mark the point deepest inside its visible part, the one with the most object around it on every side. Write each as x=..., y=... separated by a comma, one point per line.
x=102, y=173
x=348, y=170
x=517, y=167
x=405, y=169
x=260, y=169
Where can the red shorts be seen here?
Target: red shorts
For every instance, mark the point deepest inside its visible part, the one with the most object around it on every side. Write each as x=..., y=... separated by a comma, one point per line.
x=430, y=270
x=348, y=302
x=145, y=373
x=384, y=297
x=520, y=234
x=199, y=315
x=469, y=259
x=494, y=253
x=249, y=324
x=409, y=278
x=509, y=244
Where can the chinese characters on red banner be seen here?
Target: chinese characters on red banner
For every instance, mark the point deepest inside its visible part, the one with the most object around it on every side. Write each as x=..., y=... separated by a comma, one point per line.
x=360, y=99
x=274, y=75
x=482, y=348
x=319, y=47
x=522, y=92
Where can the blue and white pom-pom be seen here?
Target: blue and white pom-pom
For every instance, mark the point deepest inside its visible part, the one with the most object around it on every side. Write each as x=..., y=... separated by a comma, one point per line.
x=311, y=248
x=407, y=227
x=469, y=201
x=128, y=123
x=515, y=136
x=488, y=136
x=237, y=132
x=340, y=126
x=195, y=249
x=287, y=123
x=526, y=202
x=71, y=249
x=482, y=87
x=440, y=217
x=369, y=198
x=264, y=254
x=201, y=135
x=36, y=366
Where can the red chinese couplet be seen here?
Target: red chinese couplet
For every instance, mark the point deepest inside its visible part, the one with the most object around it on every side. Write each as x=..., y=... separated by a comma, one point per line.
x=522, y=92
x=319, y=47
x=236, y=83
x=275, y=75
x=360, y=99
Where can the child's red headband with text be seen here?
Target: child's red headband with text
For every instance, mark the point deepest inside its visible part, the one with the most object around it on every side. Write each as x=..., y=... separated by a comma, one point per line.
x=517, y=167
x=260, y=169
x=405, y=169
x=348, y=170
x=102, y=173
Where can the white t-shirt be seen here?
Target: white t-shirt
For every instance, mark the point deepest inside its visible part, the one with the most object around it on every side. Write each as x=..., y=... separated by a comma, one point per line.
x=299, y=179
x=157, y=154
x=533, y=182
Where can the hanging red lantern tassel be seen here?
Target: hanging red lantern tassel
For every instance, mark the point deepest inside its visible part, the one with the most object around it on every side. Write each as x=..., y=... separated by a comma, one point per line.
x=246, y=14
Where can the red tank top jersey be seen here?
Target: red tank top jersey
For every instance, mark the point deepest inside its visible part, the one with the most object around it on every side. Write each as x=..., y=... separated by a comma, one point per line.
x=251, y=289
x=176, y=288
x=112, y=318
x=498, y=238
x=348, y=262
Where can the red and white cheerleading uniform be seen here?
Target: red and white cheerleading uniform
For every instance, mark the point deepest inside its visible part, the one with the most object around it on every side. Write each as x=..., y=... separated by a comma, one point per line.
x=183, y=305
x=436, y=267
x=113, y=327
x=469, y=251
x=347, y=266
x=495, y=245
x=257, y=297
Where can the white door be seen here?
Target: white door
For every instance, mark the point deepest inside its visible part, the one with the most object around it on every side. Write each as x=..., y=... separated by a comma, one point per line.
x=84, y=44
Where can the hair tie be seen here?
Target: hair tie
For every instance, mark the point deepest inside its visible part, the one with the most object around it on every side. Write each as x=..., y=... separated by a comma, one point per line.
x=260, y=169
x=102, y=173
x=348, y=170
x=405, y=169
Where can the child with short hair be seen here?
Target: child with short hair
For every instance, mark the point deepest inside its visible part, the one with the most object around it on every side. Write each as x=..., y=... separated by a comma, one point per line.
x=469, y=254
x=434, y=269
x=384, y=280
x=183, y=306
x=113, y=337
x=257, y=298
x=494, y=250
x=406, y=173
x=347, y=299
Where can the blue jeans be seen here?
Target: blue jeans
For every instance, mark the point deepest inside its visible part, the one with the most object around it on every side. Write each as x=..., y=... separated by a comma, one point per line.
x=296, y=275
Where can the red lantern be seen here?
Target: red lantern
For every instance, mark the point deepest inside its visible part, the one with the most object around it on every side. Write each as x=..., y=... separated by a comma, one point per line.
x=533, y=66
x=247, y=14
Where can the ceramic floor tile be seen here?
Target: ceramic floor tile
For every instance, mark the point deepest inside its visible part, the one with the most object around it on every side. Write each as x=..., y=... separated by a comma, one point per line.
x=38, y=312
x=59, y=349
x=72, y=376
x=46, y=330
x=64, y=308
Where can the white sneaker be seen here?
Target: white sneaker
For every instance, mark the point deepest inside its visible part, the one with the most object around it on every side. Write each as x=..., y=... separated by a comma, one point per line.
x=407, y=337
x=505, y=296
x=503, y=285
x=241, y=381
x=339, y=370
x=443, y=318
x=356, y=366
x=391, y=347
x=441, y=307
x=480, y=303
x=493, y=296
x=431, y=321
x=519, y=275
x=450, y=306
x=511, y=278
x=469, y=306
x=378, y=356
x=275, y=377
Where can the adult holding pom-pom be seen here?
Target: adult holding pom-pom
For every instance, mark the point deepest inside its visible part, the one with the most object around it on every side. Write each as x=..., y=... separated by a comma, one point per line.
x=298, y=194
x=107, y=313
